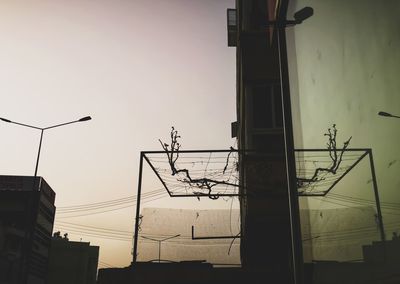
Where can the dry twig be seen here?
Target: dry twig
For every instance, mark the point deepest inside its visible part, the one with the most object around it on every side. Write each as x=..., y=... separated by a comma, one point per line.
x=172, y=152
x=335, y=155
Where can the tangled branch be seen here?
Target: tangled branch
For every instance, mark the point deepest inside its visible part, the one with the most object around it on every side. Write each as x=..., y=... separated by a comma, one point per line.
x=335, y=155
x=172, y=152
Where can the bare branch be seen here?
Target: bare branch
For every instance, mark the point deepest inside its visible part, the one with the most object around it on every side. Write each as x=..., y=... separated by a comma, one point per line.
x=333, y=154
x=172, y=152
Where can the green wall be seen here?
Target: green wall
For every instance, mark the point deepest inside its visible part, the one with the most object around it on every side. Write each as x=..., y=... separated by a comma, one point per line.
x=344, y=67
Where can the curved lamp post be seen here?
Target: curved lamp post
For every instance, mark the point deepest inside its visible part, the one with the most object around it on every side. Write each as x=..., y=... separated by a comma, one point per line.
x=159, y=244
x=382, y=113
x=86, y=118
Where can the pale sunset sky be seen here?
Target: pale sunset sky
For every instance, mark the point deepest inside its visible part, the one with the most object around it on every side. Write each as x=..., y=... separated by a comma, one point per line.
x=137, y=67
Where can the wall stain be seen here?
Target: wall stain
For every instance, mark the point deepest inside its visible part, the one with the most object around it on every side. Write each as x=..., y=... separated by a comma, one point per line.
x=391, y=163
x=348, y=105
x=319, y=54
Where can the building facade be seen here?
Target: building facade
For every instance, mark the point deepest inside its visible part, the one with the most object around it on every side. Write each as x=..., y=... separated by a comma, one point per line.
x=72, y=262
x=337, y=68
x=26, y=223
x=267, y=216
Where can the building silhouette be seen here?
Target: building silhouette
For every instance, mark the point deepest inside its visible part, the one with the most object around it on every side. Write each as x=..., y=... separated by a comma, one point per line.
x=267, y=224
x=72, y=262
x=26, y=223
x=336, y=61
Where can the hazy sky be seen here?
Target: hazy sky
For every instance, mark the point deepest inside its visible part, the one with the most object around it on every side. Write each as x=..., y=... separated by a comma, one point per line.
x=137, y=67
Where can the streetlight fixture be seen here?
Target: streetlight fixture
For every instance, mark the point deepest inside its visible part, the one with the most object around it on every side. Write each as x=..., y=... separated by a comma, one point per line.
x=299, y=17
x=86, y=118
x=159, y=244
x=382, y=113
x=303, y=14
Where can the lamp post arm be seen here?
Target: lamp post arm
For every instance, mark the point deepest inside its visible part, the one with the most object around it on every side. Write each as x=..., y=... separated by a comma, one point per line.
x=170, y=237
x=26, y=125
x=147, y=238
x=62, y=124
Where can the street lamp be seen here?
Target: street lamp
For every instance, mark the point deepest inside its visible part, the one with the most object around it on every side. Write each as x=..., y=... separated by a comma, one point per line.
x=299, y=17
x=86, y=118
x=382, y=113
x=159, y=243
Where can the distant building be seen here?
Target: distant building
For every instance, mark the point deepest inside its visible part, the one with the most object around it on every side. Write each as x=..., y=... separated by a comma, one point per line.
x=325, y=234
x=186, y=272
x=383, y=252
x=160, y=223
x=26, y=223
x=72, y=262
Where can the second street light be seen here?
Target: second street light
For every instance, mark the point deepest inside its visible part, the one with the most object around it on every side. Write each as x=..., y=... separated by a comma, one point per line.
x=159, y=244
x=42, y=129
x=383, y=113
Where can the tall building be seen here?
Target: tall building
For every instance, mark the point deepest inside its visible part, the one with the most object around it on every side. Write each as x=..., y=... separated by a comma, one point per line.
x=343, y=66
x=26, y=222
x=267, y=223
x=337, y=68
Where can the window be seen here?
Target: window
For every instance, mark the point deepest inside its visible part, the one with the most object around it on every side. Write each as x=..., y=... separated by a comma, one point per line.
x=266, y=107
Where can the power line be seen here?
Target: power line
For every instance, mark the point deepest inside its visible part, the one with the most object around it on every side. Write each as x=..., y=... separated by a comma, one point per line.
x=109, y=210
x=107, y=203
x=94, y=227
x=149, y=198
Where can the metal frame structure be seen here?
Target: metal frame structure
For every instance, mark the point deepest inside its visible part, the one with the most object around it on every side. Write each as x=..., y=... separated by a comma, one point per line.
x=183, y=152
x=213, y=237
x=366, y=152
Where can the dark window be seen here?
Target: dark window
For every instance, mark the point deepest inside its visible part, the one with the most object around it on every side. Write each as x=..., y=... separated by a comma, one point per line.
x=271, y=143
x=262, y=103
x=232, y=27
x=12, y=243
x=267, y=106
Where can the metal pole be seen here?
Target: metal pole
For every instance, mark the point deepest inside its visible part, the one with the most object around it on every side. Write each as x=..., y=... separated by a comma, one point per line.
x=378, y=203
x=296, y=242
x=139, y=192
x=38, y=155
x=159, y=251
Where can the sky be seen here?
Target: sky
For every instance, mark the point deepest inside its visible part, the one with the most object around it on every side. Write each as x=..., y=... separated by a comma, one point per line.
x=137, y=68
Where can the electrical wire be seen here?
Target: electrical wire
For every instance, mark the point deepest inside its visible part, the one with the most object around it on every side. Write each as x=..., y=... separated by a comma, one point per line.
x=106, y=203
x=86, y=209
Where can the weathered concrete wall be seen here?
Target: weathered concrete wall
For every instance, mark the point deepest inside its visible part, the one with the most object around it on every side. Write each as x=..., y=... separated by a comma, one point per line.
x=160, y=223
x=344, y=68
